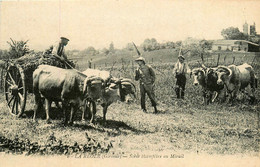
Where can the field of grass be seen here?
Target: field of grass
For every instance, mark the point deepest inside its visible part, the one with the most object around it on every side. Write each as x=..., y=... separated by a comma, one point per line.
x=181, y=127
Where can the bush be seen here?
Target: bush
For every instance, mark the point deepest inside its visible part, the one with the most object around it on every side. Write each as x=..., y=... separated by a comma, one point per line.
x=17, y=48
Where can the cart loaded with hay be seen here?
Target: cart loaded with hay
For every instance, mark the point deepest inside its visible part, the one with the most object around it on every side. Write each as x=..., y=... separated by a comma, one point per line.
x=19, y=81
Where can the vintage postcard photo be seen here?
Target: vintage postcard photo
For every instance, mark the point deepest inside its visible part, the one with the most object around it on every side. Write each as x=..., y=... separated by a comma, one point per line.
x=129, y=83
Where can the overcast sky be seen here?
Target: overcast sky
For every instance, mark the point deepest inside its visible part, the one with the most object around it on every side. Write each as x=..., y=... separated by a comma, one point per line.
x=99, y=22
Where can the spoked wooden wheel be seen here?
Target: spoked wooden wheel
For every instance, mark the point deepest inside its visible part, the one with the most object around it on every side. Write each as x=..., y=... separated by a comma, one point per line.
x=15, y=90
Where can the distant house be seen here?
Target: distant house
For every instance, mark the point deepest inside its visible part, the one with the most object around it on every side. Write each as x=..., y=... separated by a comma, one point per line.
x=235, y=45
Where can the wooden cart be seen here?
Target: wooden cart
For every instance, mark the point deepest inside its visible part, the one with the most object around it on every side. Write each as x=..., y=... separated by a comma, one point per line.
x=18, y=82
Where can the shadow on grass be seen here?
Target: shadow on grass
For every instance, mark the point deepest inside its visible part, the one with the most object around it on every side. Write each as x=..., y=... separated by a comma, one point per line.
x=111, y=127
x=55, y=114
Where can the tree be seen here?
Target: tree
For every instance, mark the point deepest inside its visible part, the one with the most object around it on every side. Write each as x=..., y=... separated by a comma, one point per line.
x=255, y=39
x=111, y=48
x=233, y=33
x=178, y=43
x=146, y=45
x=91, y=51
x=204, y=44
x=105, y=51
x=155, y=44
x=150, y=45
x=162, y=45
x=130, y=46
x=170, y=45
x=18, y=48
x=3, y=54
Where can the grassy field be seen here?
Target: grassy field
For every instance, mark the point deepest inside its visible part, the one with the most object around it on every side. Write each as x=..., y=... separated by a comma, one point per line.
x=181, y=127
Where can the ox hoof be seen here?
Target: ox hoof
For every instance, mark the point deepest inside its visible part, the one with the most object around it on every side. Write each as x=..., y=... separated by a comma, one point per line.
x=104, y=123
x=83, y=120
x=48, y=121
x=144, y=110
x=156, y=112
x=91, y=124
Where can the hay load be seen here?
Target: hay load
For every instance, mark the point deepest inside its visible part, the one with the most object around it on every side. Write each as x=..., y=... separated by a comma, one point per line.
x=30, y=62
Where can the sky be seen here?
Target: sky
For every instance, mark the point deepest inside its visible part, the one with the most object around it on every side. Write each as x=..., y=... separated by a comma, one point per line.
x=97, y=23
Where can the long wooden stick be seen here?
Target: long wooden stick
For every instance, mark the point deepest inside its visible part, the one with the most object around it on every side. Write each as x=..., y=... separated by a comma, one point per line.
x=218, y=59
x=234, y=58
x=253, y=60
x=136, y=49
x=180, y=49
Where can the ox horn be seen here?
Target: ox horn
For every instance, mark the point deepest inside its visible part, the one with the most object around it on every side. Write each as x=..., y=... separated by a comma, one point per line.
x=89, y=80
x=202, y=65
x=86, y=81
x=85, y=85
x=226, y=69
x=128, y=81
x=198, y=69
x=230, y=72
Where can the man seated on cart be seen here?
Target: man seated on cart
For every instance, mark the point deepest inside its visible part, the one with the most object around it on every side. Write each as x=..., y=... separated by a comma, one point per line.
x=58, y=51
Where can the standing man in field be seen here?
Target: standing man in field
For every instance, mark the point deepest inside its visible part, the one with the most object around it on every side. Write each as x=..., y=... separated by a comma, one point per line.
x=146, y=75
x=180, y=70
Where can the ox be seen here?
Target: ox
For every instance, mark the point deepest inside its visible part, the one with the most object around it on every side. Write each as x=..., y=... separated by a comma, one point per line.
x=116, y=89
x=105, y=75
x=115, y=92
x=237, y=78
x=207, y=78
x=66, y=85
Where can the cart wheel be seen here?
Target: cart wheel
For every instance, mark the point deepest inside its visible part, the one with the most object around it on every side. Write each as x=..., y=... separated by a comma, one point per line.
x=15, y=90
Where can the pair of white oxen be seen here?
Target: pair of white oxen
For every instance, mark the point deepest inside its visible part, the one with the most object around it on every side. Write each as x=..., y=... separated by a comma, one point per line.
x=225, y=80
x=75, y=89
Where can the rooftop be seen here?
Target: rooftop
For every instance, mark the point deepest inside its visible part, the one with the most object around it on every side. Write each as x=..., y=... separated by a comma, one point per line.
x=231, y=42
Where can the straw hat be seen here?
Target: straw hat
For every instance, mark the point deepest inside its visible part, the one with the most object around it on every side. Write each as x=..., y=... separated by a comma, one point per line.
x=140, y=59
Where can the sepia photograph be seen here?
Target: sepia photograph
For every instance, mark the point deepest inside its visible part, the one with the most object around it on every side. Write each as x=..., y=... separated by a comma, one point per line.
x=129, y=83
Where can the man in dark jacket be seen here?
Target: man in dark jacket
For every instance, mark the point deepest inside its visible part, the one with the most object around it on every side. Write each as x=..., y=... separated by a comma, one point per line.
x=146, y=75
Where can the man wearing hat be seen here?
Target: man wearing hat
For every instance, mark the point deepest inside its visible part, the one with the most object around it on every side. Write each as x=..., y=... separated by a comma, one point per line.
x=180, y=70
x=59, y=49
x=146, y=75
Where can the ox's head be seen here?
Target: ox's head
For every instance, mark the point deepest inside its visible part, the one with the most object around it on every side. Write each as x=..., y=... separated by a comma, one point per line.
x=223, y=74
x=198, y=76
x=126, y=87
x=211, y=75
x=93, y=87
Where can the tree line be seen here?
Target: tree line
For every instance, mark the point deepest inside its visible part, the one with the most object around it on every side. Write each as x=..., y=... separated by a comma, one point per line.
x=233, y=33
x=189, y=46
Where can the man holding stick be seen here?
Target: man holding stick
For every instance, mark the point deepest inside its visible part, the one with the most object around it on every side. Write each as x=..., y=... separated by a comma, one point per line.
x=146, y=75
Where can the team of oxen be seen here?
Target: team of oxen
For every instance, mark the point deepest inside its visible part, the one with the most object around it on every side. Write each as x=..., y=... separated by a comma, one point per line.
x=226, y=81
x=75, y=89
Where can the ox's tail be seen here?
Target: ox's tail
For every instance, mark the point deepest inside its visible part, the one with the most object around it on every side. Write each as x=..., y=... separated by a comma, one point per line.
x=36, y=92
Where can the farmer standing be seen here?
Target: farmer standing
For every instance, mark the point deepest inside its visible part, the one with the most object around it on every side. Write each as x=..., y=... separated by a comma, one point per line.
x=146, y=75
x=180, y=70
